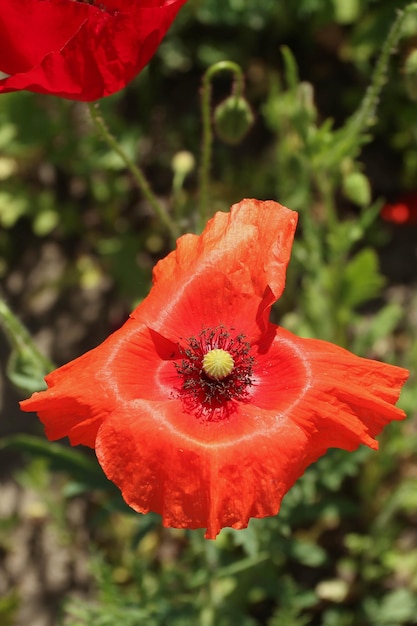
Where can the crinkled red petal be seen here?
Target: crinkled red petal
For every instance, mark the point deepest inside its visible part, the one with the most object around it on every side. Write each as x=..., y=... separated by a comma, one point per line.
x=81, y=394
x=220, y=479
x=347, y=400
x=230, y=275
x=77, y=50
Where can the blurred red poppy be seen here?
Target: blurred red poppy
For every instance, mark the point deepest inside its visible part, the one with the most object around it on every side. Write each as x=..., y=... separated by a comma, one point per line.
x=403, y=211
x=79, y=49
x=199, y=408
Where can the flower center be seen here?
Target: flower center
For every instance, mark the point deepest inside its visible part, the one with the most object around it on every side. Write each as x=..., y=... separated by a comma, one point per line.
x=216, y=368
x=218, y=364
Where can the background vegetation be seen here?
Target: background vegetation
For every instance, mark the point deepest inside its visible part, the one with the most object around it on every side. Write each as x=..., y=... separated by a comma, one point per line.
x=77, y=244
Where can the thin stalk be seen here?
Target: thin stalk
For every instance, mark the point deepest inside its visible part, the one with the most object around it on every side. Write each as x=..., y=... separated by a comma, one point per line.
x=136, y=172
x=365, y=114
x=207, y=132
x=364, y=117
x=27, y=366
x=209, y=613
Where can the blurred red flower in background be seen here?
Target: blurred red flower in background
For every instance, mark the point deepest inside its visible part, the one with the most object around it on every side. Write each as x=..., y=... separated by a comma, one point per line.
x=81, y=50
x=403, y=211
x=199, y=408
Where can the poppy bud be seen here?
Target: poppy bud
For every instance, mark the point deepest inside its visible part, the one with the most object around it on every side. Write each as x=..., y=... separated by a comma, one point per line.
x=183, y=163
x=356, y=188
x=233, y=119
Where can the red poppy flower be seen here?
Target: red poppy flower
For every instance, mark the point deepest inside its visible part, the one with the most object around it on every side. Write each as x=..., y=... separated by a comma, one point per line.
x=403, y=211
x=79, y=49
x=199, y=408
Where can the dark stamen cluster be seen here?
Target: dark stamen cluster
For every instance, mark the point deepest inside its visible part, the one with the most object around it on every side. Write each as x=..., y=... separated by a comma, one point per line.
x=204, y=390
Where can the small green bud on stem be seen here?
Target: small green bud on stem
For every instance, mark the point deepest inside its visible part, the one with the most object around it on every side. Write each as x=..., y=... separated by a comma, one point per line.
x=233, y=118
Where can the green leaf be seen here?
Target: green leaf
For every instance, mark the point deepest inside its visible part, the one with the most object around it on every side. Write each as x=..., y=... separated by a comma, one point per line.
x=308, y=553
x=26, y=367
x=290, y=68
x=77, y=464
x=347, y=11
x=382, y=325
x=397, y=607
x=361, y=279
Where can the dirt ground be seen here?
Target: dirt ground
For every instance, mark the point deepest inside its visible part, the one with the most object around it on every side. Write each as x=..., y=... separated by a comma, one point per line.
x=42, y=558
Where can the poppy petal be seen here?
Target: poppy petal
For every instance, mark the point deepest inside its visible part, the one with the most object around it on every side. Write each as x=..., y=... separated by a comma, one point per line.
x=200, y=483
x=77, y=50
x=403, y=211
x=345, y=399
x=80, y=394
x=229, y=276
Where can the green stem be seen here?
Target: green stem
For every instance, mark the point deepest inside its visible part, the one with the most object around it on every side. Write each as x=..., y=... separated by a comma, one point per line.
x=136, y=172
x=325, y=187
x=208, y=617
x=348, y=138
x=365, y=115
x=207, y=135
x=20, y=338
x=27, y=366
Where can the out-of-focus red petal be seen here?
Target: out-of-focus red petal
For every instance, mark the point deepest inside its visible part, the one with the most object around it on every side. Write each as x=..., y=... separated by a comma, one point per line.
x=403, y=211
x=77, y=50
x=230, y=275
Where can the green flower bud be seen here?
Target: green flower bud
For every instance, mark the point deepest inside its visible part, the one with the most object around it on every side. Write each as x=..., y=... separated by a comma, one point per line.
x=183, y=163
x=233, y=119
x=357, y=189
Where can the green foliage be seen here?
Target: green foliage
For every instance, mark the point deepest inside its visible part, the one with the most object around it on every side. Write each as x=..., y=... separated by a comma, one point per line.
x=83, y=470
x=398, y=607
x=26, y=367
x=8, y=608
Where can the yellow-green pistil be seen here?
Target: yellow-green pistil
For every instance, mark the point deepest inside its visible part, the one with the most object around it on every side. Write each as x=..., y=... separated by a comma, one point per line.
x=218, y=364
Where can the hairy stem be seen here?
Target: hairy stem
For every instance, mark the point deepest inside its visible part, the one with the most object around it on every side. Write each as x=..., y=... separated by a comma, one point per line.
x=136, y=172
x=207, y=134
x=364, y=117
